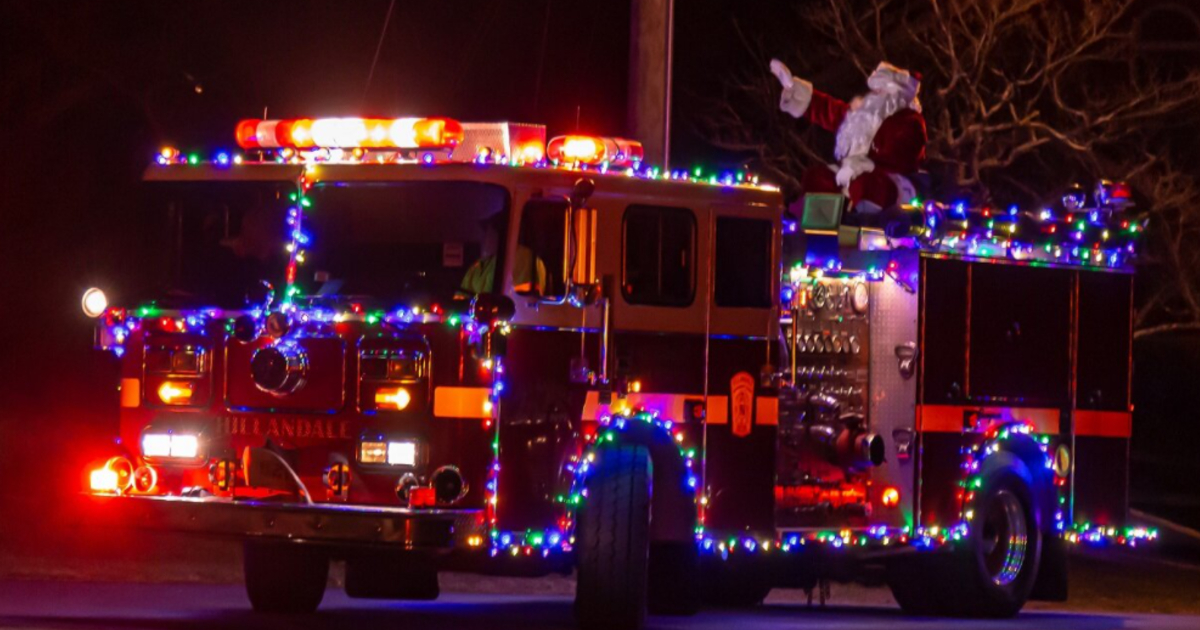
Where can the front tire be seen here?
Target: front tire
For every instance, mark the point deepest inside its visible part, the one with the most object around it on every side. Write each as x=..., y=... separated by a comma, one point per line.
x=284, y=577
x=992, y=573
x=614, y=541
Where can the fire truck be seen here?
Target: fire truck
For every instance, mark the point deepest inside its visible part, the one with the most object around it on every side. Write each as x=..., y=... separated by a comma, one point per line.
x=417, y=345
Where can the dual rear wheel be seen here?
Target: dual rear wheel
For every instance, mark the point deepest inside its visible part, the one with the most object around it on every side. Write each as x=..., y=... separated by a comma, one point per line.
x=991, y=573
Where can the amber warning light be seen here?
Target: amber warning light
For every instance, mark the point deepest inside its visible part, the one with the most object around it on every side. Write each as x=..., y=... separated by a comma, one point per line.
x=350, y=133
x=593, y=151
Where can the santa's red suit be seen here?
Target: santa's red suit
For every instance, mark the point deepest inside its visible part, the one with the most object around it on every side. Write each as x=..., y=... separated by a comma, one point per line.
x=880, y=136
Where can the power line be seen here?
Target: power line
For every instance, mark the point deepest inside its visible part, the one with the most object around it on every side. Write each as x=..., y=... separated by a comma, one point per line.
x=378, y=48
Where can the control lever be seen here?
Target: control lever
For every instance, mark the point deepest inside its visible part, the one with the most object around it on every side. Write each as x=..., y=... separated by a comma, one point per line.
x=907, y=355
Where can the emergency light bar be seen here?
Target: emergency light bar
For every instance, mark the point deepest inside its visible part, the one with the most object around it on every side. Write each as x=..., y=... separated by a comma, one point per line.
x=349, y=133
x=591, y=150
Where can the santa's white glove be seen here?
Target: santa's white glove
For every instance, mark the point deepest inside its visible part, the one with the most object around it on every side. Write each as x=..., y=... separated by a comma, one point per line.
x=852, y=166
x=797, y=93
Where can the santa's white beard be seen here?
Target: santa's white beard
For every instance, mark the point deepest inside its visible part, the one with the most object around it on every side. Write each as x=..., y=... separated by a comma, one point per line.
x=858, y=129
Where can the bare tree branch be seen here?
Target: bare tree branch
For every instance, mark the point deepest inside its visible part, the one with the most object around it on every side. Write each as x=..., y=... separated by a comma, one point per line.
x=1021, y=98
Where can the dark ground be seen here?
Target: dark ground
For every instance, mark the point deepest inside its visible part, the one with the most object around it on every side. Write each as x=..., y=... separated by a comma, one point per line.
x=188, y=607
x=88, y=564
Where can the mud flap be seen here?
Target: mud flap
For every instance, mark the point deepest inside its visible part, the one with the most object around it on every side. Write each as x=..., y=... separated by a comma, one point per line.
x=1051, y=583
x=392, y=576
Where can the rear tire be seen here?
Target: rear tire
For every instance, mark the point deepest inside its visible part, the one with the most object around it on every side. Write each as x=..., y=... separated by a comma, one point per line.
x=992, y=573
x=284, y=577
x=614, y=542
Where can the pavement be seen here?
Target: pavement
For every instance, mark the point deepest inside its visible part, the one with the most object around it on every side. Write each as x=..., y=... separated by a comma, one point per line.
x=92, y=605
x=58, y=573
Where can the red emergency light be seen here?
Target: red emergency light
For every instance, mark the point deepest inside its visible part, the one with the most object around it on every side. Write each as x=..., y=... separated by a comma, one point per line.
x=349, y=133
x=592, y=150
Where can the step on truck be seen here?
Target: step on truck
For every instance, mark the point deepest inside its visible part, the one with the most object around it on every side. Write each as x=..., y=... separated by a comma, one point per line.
x=417, y=345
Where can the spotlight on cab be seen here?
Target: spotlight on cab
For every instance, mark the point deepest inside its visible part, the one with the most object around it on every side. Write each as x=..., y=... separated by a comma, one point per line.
x=94, y=302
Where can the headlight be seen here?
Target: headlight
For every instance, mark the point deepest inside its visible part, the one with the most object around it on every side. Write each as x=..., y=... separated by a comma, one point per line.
x=178, y=446
x=390, y=453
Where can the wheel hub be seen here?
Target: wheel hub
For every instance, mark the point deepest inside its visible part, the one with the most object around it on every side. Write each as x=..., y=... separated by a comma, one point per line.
x=1005, y=538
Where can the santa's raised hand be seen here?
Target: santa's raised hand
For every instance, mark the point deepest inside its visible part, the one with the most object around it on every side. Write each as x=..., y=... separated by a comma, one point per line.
x=797, y=93
x=782, y=73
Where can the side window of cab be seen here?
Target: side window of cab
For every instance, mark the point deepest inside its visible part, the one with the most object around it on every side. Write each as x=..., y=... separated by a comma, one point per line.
x=543, y=249
x=658, y=262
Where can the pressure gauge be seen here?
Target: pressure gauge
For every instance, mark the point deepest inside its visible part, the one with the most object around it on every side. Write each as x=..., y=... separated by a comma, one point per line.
x=844, y=298
x=860, y=297
x=820, y=296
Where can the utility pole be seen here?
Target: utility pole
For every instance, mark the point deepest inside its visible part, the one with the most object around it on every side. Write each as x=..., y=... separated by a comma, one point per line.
x=652, y=29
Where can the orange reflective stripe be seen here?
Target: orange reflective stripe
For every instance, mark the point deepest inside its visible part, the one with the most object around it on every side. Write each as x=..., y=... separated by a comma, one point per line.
x=766, y=411
x=949, y=418
x=462, y=402
x=940, y=418
x=674, y=407
x=1117, y=424
x=131, y=392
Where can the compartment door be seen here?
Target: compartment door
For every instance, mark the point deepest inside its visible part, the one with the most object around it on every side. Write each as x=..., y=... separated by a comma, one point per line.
x=1020, y=332
x=1103, y=418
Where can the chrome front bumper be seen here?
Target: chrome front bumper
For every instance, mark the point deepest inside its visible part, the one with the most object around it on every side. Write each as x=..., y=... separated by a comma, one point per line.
x=402, y=528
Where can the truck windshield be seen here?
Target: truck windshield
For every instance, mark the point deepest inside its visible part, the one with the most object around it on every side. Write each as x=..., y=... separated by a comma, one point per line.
x=411, y=243
x=209, y=243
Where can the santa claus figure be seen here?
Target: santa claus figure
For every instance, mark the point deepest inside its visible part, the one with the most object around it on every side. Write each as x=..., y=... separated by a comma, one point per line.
x=880, y=136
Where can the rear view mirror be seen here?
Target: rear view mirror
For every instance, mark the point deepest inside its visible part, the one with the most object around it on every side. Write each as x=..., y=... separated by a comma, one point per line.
x=584, y=294
x=583, y=189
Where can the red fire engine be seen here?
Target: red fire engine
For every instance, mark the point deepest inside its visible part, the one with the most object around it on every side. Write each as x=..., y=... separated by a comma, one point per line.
x=417, y=345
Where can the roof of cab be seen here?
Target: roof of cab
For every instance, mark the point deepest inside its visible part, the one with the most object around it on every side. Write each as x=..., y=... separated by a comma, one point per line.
x=613, y=182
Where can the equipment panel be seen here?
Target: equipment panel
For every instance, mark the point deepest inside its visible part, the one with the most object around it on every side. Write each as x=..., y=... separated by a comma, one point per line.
x=824, y=444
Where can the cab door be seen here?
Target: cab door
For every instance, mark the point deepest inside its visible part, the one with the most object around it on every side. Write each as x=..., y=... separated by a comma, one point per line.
x=553, y=348
x=741, y=263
